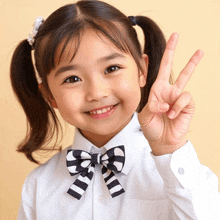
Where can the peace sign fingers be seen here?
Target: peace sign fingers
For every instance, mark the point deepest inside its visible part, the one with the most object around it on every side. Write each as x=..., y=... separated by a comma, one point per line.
x=167, y=59
x=186, y=73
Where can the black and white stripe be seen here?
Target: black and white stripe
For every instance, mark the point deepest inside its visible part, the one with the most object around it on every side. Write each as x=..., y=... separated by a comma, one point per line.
x=80, y=185
x=112, y=183
x=83, y=163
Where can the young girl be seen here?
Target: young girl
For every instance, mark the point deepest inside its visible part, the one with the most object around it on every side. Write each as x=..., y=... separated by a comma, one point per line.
x=130, y=158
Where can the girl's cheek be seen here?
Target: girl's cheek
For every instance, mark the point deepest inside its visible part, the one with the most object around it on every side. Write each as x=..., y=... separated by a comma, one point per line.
x=130, y=84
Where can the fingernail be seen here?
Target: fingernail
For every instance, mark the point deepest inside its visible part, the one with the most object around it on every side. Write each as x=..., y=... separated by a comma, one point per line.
x=176, y=35
x=171, y=114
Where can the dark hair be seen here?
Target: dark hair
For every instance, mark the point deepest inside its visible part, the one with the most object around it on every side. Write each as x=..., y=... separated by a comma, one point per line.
x=63, y=25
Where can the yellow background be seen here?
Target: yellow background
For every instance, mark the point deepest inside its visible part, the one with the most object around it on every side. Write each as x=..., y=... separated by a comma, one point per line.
x=196, y=21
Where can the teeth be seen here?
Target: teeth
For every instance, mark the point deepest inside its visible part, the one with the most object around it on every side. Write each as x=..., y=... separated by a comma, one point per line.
x=98, y=112
x=104, y=110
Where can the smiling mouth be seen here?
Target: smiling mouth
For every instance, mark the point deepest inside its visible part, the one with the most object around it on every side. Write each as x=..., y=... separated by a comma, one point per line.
x=102, y=110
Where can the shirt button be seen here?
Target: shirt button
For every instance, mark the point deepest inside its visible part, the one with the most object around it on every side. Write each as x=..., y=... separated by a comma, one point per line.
x=181, y=171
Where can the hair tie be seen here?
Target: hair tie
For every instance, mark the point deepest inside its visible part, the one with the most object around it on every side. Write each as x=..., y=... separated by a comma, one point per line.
x=133, y=20
x=31, y=37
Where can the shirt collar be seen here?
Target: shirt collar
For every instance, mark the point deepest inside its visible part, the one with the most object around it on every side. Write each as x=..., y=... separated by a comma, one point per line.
x=127, y=137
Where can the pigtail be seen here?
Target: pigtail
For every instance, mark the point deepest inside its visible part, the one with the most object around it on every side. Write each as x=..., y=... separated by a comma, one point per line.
x=154, y=47
x=37, y=110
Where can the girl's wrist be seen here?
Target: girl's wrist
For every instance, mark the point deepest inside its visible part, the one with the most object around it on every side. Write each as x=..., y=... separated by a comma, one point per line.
x=162, y=149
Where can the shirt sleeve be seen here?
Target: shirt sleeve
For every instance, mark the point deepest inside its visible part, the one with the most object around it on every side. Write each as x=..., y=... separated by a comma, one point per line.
x=25, y=212
x=191, y=187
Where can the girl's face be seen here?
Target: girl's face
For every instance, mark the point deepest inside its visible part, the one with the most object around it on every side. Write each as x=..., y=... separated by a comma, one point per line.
x=100, y=79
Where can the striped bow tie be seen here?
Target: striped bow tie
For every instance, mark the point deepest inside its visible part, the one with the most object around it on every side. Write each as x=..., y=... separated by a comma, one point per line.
x=83, y=163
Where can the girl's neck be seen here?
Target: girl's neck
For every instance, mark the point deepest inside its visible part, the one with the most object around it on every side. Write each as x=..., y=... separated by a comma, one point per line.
x=96, y=139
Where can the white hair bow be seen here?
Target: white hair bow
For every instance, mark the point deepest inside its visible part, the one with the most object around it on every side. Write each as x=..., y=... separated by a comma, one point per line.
x=31, y=37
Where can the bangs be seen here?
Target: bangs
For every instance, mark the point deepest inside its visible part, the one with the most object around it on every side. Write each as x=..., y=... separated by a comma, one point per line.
x=55, y=45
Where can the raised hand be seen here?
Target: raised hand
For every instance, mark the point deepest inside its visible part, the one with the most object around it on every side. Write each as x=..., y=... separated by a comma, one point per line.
x=166, y=117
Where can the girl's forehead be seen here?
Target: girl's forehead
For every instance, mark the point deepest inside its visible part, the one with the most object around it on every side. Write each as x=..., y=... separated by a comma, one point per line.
x=90, y=44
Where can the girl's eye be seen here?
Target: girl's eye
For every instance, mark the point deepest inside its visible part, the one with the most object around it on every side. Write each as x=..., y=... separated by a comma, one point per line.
x=72, y=79
x=112, y=69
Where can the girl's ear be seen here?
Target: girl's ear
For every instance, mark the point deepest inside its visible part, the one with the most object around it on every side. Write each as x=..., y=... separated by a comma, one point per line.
x=143, y=73
x=46, y=96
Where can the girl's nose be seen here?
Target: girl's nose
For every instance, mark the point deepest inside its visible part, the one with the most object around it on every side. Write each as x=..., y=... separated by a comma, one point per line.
x=97, y=90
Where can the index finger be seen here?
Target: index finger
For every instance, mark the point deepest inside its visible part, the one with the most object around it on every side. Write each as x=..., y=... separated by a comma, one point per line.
x=167, y=59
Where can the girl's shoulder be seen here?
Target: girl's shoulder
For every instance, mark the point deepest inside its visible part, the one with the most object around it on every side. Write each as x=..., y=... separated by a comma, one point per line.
x=44, y=179
x=54, y=166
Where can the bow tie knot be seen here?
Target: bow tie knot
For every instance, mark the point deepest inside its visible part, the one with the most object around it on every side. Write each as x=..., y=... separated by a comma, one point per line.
x=83, y=163
x=95, y=158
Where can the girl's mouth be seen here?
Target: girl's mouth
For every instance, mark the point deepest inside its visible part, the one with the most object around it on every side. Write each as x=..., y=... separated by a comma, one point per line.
x=103, y=113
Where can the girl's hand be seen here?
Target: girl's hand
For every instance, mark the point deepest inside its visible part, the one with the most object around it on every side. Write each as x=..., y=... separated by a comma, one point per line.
x=166, y=117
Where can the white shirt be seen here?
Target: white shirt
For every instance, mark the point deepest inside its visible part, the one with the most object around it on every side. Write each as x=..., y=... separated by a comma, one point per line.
x=171, y=186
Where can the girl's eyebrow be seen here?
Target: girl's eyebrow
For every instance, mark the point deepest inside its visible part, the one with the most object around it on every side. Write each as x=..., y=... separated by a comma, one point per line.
x=100, y=60
x=111, y=57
